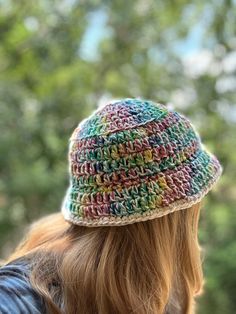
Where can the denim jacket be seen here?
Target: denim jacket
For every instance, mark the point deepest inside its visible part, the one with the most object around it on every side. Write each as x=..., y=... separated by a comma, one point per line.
x=16, y=294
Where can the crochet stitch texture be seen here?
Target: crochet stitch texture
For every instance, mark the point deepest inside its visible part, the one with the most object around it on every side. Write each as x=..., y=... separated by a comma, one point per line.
x=135, y=160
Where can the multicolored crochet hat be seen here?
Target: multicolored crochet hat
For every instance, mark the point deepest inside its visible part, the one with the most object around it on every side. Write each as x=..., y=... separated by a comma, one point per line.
x=134, y=160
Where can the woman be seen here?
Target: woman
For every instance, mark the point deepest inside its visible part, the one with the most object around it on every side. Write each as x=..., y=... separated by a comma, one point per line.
x=125, y=240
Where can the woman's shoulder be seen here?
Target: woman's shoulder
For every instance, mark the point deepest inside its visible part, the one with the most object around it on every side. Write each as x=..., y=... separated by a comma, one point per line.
x=16, y=292
x=21, y=264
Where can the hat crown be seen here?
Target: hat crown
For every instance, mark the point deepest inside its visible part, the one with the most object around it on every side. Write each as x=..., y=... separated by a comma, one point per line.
x=120, y=115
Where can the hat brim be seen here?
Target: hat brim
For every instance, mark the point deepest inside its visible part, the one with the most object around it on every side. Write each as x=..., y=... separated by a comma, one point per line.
x=203, y=171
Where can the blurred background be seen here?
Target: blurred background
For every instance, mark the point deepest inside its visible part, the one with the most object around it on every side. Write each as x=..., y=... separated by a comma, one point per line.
x=60, y=59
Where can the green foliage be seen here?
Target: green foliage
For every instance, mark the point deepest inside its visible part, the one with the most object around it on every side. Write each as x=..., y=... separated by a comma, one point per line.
x=48, y=84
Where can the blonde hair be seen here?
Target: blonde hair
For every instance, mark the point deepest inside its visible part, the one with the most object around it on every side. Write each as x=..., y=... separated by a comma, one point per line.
x=149, y=267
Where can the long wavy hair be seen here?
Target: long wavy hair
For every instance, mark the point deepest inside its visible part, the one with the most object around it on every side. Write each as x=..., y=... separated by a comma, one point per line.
x=149, y=267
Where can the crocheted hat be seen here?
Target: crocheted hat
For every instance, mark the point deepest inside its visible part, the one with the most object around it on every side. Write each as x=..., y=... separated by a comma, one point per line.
x=134, y=160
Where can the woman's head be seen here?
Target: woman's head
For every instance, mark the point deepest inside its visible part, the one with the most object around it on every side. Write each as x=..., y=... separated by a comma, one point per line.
x=126, y=240
x=152, y=266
